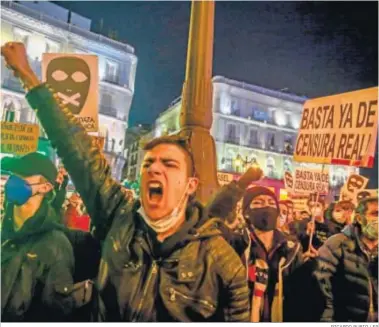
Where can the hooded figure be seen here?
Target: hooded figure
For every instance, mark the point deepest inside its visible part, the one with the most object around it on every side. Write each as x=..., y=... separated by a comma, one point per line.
x=37, y=261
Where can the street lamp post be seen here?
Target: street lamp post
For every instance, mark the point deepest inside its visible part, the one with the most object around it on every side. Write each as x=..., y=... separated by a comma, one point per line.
x=196, y=111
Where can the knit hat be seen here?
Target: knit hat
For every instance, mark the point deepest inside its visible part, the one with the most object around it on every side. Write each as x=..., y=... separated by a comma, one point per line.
x=255, y=191
x=31, y=164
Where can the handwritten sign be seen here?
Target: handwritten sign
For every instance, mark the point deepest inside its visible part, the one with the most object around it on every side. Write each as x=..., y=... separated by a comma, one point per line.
x=339, y=129
x=307, y=181
x=19, y=139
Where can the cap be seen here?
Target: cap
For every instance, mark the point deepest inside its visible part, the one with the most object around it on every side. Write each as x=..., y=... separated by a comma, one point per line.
x=31, y=164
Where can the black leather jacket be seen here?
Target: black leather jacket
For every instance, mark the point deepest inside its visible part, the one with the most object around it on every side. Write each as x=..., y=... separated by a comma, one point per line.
x=202, y=279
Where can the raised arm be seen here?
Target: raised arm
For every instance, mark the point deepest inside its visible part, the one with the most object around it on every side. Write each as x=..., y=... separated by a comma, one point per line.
x=83, y=160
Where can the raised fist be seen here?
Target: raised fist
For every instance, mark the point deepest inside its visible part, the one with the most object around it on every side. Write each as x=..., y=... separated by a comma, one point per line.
x=15, y=57
x=253, y=174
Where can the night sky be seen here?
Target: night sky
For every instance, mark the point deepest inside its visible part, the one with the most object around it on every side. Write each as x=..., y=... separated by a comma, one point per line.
x=311, y=48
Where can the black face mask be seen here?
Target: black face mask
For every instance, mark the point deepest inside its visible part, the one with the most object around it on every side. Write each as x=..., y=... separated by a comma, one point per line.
x=264, y=219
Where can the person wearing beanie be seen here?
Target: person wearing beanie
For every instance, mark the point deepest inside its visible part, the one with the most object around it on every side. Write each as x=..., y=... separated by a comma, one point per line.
x=271, y=260
x=37, y=259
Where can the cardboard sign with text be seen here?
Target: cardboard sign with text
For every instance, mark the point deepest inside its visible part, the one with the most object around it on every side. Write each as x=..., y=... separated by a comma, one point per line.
x=74, y=78
x=19, y=139
x=307, y=181
x=339, y=129
x=299, y=202
x=224, y=178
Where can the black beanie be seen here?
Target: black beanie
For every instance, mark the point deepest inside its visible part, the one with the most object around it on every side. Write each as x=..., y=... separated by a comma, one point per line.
x=255, y=191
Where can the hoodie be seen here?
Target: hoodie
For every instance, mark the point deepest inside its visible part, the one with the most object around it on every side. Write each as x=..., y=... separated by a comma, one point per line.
x=36, y=267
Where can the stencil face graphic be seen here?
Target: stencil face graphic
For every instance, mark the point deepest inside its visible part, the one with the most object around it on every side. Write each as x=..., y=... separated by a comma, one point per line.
x=355, y=183
x=289, y=179
x=362, y=195
x=70, y=77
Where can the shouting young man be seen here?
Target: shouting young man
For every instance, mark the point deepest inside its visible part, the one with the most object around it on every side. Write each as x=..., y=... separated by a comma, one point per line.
x=163, y=258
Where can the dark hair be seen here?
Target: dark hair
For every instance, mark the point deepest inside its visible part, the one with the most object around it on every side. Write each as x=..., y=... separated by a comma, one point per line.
x=180, y=141
x=362, y=205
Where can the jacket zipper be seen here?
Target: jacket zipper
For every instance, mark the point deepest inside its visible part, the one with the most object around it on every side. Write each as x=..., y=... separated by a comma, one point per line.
x=152, y=272
x=174, y=292
x=371, y=307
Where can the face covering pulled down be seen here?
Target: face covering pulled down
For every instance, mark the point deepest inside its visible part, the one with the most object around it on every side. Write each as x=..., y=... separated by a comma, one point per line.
x=167, y=222
x=264, y=219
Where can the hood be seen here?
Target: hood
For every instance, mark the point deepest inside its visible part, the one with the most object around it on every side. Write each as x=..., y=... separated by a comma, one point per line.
x=196, y=226
x=45, y=219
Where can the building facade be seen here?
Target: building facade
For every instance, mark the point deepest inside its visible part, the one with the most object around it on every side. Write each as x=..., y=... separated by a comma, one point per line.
x=134, y=139
x=45, y=27
x=251, y=124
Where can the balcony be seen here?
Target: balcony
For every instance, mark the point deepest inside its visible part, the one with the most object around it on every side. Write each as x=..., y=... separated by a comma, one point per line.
x=274, y=149
x=112, y=112
x=9, y=82
x=115, y=80
x=233, y=140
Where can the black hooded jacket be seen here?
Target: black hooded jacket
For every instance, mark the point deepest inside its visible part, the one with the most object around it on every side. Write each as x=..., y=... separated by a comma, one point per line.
x=37, y=266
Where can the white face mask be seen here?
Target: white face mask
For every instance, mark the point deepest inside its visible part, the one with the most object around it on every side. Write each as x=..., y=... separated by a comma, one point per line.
x=167, y=222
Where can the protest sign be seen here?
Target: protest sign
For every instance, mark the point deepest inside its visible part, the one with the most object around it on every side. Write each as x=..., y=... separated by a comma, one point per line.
x=224, y=178
x=19, y=139
x=288, y=181
x=354, y=185
x=299, y=202
x=339, y=129
x=306, y=181
x=363, y=194
x=74, y=79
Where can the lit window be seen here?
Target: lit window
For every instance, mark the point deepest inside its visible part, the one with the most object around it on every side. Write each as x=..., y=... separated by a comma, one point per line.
x=280, y=118
x=295, y=121
x=52, y=46
x=111, y=71
x=21, y=35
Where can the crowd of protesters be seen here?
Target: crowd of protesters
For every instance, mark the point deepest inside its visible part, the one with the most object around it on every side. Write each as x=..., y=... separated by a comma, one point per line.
x=103, y=256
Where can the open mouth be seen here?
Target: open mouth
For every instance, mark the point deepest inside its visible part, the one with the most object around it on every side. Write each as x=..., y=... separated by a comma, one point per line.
x=155, y=190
